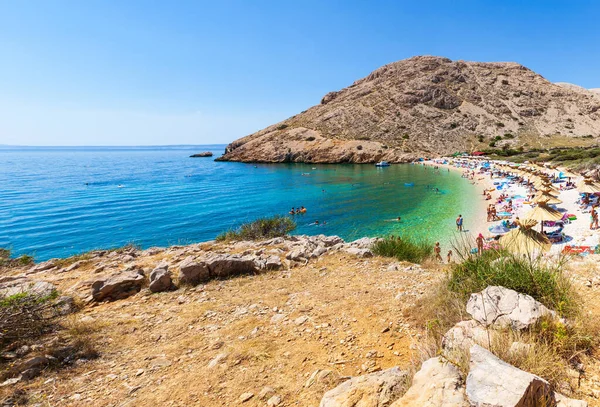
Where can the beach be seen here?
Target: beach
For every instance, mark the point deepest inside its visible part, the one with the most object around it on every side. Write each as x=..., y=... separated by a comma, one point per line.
x=576, y=232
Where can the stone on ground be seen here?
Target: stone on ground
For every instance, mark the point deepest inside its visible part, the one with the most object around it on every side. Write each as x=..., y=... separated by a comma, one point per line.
x=437, y=384
x=117, y=286
x=379, y=389
x=193, y=272
x=501, y=307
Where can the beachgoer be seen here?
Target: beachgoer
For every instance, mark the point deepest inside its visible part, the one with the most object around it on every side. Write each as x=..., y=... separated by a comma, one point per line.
x=479, y=242
x=438, y=250
x=292, y=211
x=459, y=223
x=449, y=256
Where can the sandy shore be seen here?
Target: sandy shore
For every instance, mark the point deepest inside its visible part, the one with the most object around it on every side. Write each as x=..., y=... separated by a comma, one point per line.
x=479, y=223
x=577, y=232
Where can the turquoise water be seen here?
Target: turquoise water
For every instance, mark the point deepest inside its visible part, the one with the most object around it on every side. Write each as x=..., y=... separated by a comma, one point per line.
x=58, y=202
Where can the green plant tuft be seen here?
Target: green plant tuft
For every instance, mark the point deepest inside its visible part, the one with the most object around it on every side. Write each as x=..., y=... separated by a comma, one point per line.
x=403, y=249
x=262, y=228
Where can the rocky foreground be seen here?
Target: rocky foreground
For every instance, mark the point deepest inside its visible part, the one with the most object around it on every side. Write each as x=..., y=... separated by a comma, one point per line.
x=424, y=106
x=295, y=321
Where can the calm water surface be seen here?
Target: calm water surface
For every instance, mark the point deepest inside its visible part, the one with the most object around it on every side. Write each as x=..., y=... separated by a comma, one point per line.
x=58, y=202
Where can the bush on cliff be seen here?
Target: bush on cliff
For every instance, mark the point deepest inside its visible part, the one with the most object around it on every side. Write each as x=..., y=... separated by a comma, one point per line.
x=403, y=249
x=262, y=228
x=6, y=259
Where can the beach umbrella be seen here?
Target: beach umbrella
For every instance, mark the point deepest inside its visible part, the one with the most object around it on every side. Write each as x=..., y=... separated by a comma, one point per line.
x=544, y=197
x=588, y=186
x=549, y=190
x=543, y=212
x=499, y=229
x=525, y=240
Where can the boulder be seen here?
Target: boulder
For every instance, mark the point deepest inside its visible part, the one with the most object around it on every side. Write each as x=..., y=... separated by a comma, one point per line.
x=117, y=286
x=379, y=389
x=501, y=307
x=330, y=241
x=437, y=384
x=465, y=334
x=358, y=252
x=226, y=265
x=193, y=272
x=273, y=263
x=493, y=382
x=364, y=243
x=160, y=280
x=299, y=254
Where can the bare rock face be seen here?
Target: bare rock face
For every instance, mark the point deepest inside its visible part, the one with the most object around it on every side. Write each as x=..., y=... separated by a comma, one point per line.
x=426, y=105
x=501, y=307
x=117, y=287
x=437, y=384
x=379, y=389
x=493, y=382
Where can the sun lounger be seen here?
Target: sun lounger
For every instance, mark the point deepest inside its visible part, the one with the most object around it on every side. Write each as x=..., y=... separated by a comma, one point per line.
x=580, y=250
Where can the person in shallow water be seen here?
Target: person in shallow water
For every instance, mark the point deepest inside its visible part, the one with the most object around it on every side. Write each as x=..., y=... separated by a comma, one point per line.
x=292, y=211
x=438, y=250
x=459, y=223
x=449, y=256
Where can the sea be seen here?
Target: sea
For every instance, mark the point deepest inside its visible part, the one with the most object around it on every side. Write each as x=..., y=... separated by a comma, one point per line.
x=61, y=201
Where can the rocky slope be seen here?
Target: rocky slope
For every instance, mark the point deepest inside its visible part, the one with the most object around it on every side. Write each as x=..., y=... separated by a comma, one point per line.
x=294, y=321
x=428, y=105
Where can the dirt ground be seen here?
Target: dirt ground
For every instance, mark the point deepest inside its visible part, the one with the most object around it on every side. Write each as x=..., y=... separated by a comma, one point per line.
x=264, y=334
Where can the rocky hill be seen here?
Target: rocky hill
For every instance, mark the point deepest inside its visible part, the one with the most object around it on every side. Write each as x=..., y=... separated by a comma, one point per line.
x=429, y=106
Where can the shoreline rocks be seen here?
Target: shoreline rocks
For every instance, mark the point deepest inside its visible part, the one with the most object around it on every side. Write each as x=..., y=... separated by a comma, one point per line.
x=203, y=154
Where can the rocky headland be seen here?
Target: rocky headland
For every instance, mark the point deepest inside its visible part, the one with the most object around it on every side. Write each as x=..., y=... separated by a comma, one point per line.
x=429, y=106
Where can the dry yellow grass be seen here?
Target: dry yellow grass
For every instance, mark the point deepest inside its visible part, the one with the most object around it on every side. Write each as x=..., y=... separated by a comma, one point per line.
x=155, y=349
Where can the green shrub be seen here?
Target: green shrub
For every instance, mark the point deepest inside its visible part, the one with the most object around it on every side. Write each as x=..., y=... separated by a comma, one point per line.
x=500, y=124
x=403, y=249
x=7, y=261
x=262, y=228
x=405, y=136
x=509, y=136
x=282, y=127
x=545, y=283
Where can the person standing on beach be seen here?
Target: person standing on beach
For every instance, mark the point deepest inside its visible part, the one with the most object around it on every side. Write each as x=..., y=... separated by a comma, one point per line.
x=438, y=252
x=449, y=256
x=459, y=223
x=479, y=241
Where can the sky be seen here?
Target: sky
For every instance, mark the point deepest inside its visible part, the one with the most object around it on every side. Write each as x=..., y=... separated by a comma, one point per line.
x=147, y=72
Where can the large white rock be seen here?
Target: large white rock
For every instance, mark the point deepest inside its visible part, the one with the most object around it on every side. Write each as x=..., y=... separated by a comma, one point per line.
x=465, y=334
x=437, y=384
x=379, y=389
x=492, y=382
x=501, y=307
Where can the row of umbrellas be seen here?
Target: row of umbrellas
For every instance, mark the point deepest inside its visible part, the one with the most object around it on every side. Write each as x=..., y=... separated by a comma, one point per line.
x=524, y=239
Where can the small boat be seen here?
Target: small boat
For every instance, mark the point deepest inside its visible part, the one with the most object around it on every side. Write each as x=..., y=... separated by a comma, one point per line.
x=382, y=164
x=409, y=184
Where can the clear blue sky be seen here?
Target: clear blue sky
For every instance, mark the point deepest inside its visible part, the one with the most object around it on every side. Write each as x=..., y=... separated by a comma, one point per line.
x=129, y=72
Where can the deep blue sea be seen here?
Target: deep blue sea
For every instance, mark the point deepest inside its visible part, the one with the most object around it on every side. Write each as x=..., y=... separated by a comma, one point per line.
x=56, y=202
